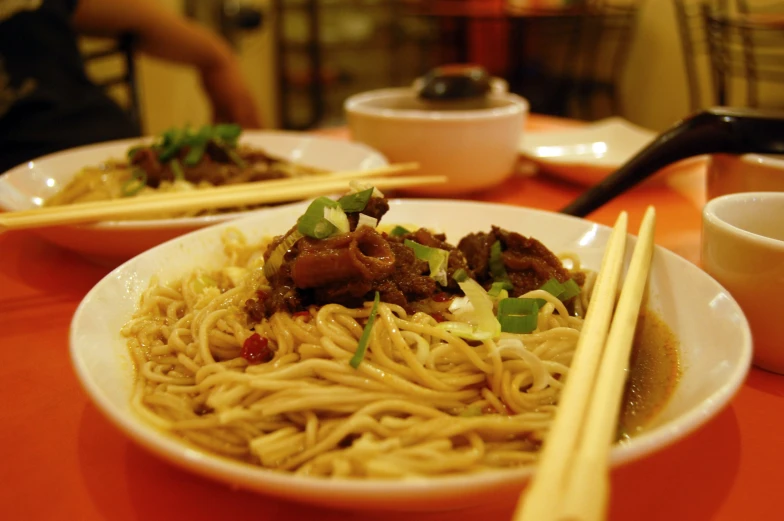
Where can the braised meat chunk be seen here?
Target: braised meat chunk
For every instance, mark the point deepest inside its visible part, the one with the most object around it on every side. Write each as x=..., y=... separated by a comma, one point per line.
x=528, y=262
x=348, y=268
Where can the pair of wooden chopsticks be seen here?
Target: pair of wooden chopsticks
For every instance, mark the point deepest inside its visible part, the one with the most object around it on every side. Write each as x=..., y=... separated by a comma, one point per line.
x=572, y=479
x=266, y=192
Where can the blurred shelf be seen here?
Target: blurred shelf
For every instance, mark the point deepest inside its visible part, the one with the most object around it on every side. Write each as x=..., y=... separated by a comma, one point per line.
x=324, y=54
x=403, y=5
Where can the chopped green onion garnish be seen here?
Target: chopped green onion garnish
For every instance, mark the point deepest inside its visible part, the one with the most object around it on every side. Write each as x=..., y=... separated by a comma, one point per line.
x=176, y=167
x=235, y=157
x=359, y=354
x=497, y=287
x=553, y=287
x=172, y=142
x=518, y=324
x=571, y=289
x=337, y=217
x=135, y=184
x=478, y=322
x=275, y=259
x=518, y=315
x=313, y=224
x=563, y=291
x=436, y=258
x=366, y=220
x=355, y=202
x=518, y=306
x=465, y=330
x=227, y=132
x=398, y=231
x=132, y=152
x=460, y=275
x=497, y=268
x=195, y=154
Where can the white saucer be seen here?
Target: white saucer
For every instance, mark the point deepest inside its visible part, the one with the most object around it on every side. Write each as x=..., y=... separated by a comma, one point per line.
x=588, y=154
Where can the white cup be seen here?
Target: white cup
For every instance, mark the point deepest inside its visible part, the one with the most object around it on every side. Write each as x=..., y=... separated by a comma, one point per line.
x=729, y=174
x=743, y=249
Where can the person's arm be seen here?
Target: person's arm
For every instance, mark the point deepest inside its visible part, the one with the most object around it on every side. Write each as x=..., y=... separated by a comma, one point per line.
x=166, y=35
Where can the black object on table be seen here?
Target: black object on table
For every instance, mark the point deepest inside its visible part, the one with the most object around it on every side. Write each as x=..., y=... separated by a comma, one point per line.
x=718, y=130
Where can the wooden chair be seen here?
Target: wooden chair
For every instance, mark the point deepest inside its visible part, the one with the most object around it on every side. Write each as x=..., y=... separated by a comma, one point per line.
x=746, y=48
x=121, y=50
x=584, y=57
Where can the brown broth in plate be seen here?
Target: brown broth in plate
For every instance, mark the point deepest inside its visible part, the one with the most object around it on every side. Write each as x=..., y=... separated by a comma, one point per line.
x=654, y=371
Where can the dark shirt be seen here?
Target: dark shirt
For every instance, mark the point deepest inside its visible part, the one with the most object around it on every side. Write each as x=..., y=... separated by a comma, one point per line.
x=47, y=103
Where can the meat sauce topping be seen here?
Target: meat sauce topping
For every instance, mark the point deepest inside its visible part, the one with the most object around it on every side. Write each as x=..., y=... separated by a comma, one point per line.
x=349, y=268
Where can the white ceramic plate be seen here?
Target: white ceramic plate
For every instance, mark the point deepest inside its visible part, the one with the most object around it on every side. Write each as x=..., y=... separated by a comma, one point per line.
x=714, y=336
x=28, y=185
x=588, y=154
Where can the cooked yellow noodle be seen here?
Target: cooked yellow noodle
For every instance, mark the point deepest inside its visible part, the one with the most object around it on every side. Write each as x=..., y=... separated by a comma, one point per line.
x=422, y=402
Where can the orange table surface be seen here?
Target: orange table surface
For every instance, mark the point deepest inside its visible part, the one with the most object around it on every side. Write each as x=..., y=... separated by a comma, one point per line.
x=61, y=460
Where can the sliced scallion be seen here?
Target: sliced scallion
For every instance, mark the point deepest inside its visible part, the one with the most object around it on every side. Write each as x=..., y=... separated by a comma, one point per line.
x=398, y=231
x=171, y=144
x=460, y=275
x=234, y=156
x=179, y=174
x=478, y=315
x=553, y=287
x=366, y=220
x=562, y=291
x=436, y=258
x=195, y=153
x=355, y=202
x=571, y=289
x=313, y=224
x=518, y=324
x=275, y=259
x=518, y=315
x=359, y=354
x=338, y=218
x=132, y=152
x=228, y=132
x=497, y=268
x=135, y=184
x=497, y=287
x=465, y=330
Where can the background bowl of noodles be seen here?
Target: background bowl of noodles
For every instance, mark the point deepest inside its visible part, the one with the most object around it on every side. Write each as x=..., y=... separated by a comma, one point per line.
x=29, y=185
x=713, y=335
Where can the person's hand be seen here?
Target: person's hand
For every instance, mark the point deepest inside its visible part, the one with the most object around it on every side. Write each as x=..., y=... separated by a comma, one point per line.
x=232, y=101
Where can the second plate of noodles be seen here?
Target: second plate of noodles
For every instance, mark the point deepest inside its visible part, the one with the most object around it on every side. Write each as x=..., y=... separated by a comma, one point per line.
x=31, y=185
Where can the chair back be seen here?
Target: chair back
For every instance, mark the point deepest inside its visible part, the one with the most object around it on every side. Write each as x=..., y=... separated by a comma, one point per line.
x=119, y=81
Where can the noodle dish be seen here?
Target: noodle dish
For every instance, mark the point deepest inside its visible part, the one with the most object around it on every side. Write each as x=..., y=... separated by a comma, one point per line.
x=360, y=345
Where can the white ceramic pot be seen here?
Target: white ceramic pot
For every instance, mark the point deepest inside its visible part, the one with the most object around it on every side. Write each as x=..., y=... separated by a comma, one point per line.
x=474, y=144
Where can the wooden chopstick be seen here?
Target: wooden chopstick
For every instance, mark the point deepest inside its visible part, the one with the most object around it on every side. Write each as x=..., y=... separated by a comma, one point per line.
x=244, y=187
x=590, y=465
x=575, y=482
x=546, y=490
x=221, y=197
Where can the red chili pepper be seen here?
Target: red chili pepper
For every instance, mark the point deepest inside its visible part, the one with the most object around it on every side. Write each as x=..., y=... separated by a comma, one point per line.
x=303, y=314
x=438, y=316
x=256, y=349
x=441, y=297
